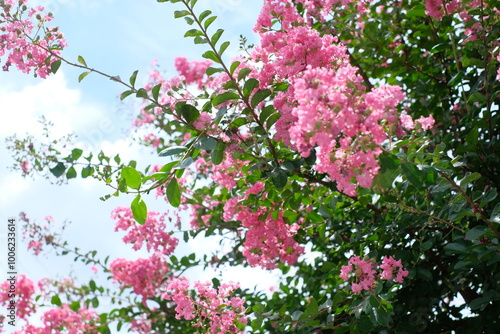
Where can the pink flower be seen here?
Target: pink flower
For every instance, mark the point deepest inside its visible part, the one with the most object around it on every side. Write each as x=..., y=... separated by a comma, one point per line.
x=153, y=233
x=389, y=265
x=426, y=122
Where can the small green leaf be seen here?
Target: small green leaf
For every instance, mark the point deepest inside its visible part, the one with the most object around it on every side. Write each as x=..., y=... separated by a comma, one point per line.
x=156, y=91
x=250, y=85
x=495, y=214
x=470, y=178
x=215, y=37
x=224, y=47
x=132, y=177
x=181, y=13
x=243, y=73
x=58, y=170
x=206, y=143
x=76, y=153
x=213, y=70
x=224, y=97
x=133, y=78
x=455, y=248
x=172, y=151
x=412, y=173
x=312, y=307
x=260, y=96
x=139, y=210
x=125, y=94
x=234, y=66
x=209, y=21
x=193, y=33
x=82, y=61
x=82, y=76
x=71, y=173
x=476, y=232
x=212, y=56
x=203, y=15
x=190, y=113
x=280, y=178
x=87, y=171
x=174, y=193
x=55, y=300
x=217, y=154
x=142, y=93
x=55, y=66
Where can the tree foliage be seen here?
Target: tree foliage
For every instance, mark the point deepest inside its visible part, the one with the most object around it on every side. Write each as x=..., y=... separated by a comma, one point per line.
x=365, y=132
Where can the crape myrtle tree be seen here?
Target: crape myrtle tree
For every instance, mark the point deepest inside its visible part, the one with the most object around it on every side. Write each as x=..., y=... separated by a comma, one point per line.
x=364, y=131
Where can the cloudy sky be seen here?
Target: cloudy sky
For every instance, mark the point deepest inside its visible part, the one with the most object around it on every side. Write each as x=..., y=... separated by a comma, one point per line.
x=116, y=37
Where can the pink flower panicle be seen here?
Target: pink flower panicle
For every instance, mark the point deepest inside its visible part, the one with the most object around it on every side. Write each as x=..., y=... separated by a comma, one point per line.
x=364, y=274
x=145, y=276
x=223, y=312
x=23, y=48
x=24, y=289
x=152, y=233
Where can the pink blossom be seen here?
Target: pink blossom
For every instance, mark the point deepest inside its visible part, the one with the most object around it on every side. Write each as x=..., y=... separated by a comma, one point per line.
x=407, y=122
x=18, y=39
x=389, y=265
x=426, y=122
x=24, y=289
x=145, y=276
x=215, y=306
x=193, y=71
x=153, y=233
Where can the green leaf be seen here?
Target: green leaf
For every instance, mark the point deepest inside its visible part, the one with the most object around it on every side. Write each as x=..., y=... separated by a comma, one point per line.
x=250, y=85
x=209, y=21
x=272, y=119
x=142, y=93
x=203, y=15
x=470, y=178
x=206, y=143
x=181, y=13
x=234, y=66
x=193, y=33
x=279, y=177
x=455, y=248
x=476, y=232
x=87, y=171
x=213, y=70
x=82, y=76
x=172, y=151
x=139, y=210
x=71, y=173
x=55, y=300
x=260, y=96
x=125, y=94
x=174, y=193
x=133, y=78
x=132, y=177
x=76, y=153
x=190, y=113
x=55, y=65
x=266, y=112
x=215, y=37
x=217, y=154
x=224, y=47
x=243, y=73
x=412, y=173
x=58, y=170
x=212, y=56
x=82, y=61
x=224, y=97
x=156, y=91
x=312, y=307
x=495, y=214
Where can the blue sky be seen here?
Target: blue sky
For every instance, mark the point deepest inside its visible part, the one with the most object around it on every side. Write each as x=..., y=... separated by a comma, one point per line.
x=116, y=37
